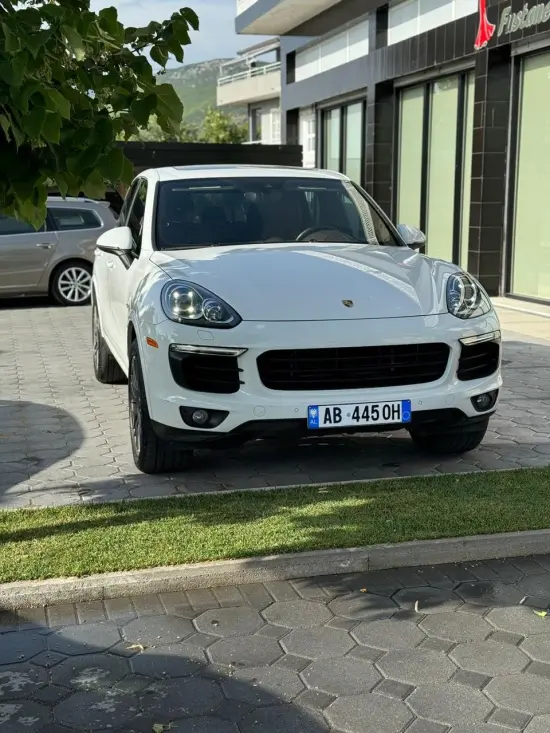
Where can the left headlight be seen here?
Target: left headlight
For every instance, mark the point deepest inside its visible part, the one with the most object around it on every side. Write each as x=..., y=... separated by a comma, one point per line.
x=193, y=305
x=465, y=296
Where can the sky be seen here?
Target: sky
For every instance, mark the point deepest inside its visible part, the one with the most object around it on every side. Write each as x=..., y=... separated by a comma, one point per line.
x=216, y=37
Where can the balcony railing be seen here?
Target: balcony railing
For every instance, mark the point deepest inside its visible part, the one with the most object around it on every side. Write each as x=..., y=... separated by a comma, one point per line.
x=250, y=73
x=243, y=5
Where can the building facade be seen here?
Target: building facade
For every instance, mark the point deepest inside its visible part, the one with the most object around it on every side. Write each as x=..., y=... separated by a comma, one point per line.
x=253, y=80
x=439, y=108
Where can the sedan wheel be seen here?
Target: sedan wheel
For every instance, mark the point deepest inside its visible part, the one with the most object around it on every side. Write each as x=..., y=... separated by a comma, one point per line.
x=72, y=284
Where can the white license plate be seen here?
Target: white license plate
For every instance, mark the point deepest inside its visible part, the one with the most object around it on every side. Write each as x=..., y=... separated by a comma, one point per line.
x=366, y=413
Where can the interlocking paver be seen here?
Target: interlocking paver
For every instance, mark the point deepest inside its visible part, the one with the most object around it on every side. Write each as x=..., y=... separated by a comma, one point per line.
x=318, y=643
x=343, y=676
x=90, y=672
x=17, y=716
x=525, y=693
x=154, y=631
x=490, y=658
x=21, y=680
x=283, y=718
x=85, y=639
x=519, y=620
x=297, y=614
x=245, y=651
x=260, y=686
x=416, y=666
x=229, y=622
x=364, y=607
x=450, y=704
x=17, y=647
x=390, y=634
x=383, y=714
x=178, y=698
x=173, y=660
x=427, y=600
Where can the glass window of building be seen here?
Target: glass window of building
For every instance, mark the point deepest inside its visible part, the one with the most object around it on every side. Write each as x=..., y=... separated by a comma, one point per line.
x=531, y=239
x=353, y=153
x=467, y=169
x=409, y=180
x=332, y=134
x=442, y=159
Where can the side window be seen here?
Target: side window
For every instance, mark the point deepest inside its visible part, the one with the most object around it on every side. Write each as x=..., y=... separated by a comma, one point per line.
x=123, y=216
x=71, y=219
x=10, y=226
x=135, y=219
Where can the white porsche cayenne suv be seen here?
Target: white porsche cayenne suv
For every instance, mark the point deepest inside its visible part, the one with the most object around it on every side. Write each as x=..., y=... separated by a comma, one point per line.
x=245, y=302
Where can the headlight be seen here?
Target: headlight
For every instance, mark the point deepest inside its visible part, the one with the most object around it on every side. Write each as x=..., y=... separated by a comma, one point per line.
x=465, y=297
x=195, y=306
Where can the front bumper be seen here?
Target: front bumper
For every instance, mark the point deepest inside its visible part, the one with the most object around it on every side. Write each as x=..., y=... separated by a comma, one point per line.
x=256, y=411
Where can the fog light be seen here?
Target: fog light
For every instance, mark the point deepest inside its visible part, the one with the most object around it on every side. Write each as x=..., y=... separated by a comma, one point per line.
x=200, y=417
x=486, y=401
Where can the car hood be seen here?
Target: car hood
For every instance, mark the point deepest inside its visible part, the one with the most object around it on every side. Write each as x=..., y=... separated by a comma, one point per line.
x=315, y=281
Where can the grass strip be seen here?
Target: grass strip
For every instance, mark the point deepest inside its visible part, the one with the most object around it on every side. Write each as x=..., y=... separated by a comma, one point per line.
x=80, y=540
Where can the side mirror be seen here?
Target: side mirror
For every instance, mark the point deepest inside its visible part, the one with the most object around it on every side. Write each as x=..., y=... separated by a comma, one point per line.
x=411, y=236
x=117, y=241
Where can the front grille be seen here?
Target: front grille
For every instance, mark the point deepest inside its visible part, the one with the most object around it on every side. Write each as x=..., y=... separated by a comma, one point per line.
x=205, y=373
x=353, y=368
x=478, y=360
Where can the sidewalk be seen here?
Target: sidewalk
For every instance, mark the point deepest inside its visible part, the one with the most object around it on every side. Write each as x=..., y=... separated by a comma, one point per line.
x=447, y=649
x=529, y=321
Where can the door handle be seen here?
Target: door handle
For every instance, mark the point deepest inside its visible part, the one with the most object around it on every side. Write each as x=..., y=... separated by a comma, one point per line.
x=44, y=245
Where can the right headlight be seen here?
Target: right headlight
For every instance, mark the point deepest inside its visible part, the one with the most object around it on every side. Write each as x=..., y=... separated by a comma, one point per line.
x=465, y=296
x=193, y=305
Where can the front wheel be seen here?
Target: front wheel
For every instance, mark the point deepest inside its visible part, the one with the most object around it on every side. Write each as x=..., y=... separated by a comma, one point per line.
x=151, y=453
x=449, y=443
x=72, y=283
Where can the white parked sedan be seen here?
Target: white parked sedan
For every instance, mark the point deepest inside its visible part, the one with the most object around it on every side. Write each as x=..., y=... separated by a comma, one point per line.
x=249, y=302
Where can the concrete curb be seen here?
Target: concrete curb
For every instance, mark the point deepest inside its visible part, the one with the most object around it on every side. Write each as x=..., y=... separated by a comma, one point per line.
x=278, y=567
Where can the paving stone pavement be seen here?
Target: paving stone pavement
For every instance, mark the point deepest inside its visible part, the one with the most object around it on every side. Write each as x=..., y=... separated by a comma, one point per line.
x=64, y=437
x=447, y=649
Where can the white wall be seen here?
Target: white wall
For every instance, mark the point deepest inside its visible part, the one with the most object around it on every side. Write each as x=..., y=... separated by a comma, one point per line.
x=413, y=17
x=339, y=49
x=308, y=136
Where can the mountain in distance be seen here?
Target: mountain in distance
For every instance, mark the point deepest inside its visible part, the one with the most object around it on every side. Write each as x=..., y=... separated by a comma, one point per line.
x=196, y=86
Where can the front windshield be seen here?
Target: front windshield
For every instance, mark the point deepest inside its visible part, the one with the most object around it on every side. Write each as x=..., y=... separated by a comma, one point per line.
x=252, y=210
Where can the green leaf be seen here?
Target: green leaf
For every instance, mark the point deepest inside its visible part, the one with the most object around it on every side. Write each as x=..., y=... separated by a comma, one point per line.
x=108, y=20
x=12, y=43
x=75, y=42
x=58, y=103
x=30, y=212
x=12, y=73
x=169, y=106
x=36, y=40
x=127, y=175
x=159, y=54
x=112, y=165
x=34, y=122
x=94, y=185
x=190, y=17
x=5, y=125
x=62, y=184
x=103, y=132
x=142, y=109
x=51, y=129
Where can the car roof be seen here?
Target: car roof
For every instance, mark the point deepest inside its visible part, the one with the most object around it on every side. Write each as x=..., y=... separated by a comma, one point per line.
x=176, y=173
x=73, y=201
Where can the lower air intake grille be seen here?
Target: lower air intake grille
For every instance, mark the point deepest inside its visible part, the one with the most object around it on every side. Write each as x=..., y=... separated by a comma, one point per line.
x=478, y=360
x=353, y=368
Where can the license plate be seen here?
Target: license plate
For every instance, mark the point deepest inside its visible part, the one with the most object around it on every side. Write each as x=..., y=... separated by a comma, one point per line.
x=366, y=413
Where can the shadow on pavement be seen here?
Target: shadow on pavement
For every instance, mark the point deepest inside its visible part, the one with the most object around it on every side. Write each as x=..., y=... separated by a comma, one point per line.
x=33, y=439
x=147, y=676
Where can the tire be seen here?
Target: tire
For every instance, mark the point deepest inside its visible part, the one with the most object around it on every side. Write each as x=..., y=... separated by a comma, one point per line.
x=449, y=443
x=71, y=284
x=151, y=454
x=106, y=367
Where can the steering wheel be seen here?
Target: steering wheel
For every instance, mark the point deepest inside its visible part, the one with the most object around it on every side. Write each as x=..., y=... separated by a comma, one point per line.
x=327, y=231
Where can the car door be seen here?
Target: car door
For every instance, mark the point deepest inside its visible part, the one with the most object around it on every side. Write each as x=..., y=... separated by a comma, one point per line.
x=24, y=255
x=104, y=263
x=121, y=268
